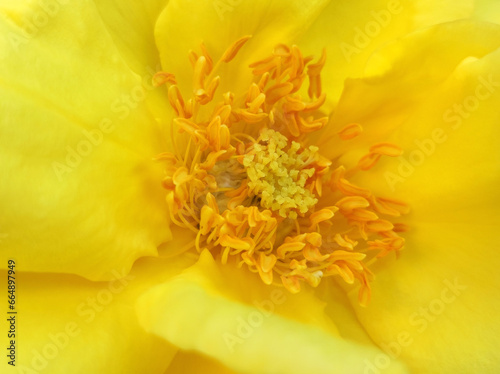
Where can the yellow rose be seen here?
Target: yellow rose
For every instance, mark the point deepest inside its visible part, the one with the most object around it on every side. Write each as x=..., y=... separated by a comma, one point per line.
x=242, y=231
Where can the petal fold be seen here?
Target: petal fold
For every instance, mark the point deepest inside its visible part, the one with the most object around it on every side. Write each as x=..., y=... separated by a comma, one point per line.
x=79, y=190
x=433, y=308
x=248, y=327
x=66, y=324
x=352, y=31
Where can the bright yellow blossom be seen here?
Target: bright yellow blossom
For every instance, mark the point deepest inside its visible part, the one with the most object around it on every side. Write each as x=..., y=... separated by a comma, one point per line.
x=225, y=186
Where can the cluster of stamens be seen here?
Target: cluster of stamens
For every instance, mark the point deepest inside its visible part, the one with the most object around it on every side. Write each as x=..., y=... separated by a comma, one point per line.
x=281, y=176
x=244, y=181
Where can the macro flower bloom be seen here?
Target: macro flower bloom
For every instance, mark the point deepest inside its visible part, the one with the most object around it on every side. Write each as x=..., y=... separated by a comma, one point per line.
x=250, y=187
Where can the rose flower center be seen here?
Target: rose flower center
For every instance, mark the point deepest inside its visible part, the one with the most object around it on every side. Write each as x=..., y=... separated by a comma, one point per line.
x=245, y=179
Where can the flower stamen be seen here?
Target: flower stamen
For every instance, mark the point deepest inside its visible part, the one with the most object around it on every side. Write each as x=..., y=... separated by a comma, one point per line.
x=253, y=192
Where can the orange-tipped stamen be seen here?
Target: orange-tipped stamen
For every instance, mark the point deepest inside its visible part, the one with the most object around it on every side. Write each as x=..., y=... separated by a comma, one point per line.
x=244, y=180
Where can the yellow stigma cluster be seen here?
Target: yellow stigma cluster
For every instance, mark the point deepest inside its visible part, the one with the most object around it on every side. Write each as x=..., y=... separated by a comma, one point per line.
x=241, y=178
x=278, y=174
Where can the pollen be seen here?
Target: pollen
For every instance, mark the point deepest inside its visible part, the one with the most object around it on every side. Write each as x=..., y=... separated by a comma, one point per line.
x=244, y=174
x=278, y=172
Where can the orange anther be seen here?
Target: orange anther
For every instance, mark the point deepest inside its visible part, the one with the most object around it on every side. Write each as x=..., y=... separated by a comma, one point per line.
x=278, y=91
x=314, y=238
x=233, y=50
x=267, y=262
x=284, y=248
x=315, y=105
x=379, y=225
x=321, y=215
x=315, y=69
x=209, y=219
x=350, y=189
x=350, y=131
x=163, y=77
x=342, y=270
x=386, y=149
x=211, y=159
x=345, y=242
x=313, y=254
x=200, y=71
x=349, y=203
x=361, y=215
x=207, y=56
x=257, y=102
x=233, y=242
x=181, y=176
x=291, y=283
x=253, y=92
x=293, y=104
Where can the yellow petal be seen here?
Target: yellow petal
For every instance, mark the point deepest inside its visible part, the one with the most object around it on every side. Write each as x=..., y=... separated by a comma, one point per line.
x=487, y=10
x=352, y=31
x=131, y=25
x=192, y=363
x=229, y=315
x=65, y=324
x=79, y=191
x=442, y=293
x=420, y=66
x=184, y=25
